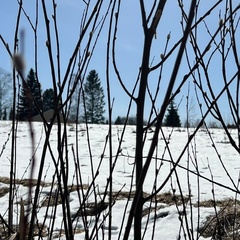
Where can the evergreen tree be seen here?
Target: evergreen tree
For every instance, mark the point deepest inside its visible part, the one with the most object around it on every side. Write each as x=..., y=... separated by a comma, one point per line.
x=93, y=98
x=48, y=99
x=26, y=106
x=172, y=118
x=118, y=121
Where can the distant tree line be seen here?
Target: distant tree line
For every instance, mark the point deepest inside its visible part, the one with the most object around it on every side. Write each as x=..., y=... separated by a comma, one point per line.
x=32, y=99
x=125, y=120
x=92, y=99
x=92, y=102
x=172, y=118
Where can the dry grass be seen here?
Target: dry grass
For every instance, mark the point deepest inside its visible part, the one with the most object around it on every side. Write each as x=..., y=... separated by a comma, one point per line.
x=24, y=182
x=39, y=230
x=218, y=203
x=171, y=199
x=3, y=191
x=166, y=197
x=225, y=224
x=51, y=200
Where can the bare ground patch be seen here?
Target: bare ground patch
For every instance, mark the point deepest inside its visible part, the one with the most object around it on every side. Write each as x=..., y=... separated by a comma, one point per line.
x=225, y=224
x=3, y=191
x=25, y=182
x=167, y=197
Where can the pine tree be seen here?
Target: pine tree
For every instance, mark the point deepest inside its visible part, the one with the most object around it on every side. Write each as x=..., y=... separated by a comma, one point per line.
x=26, y=106
x=118, y=121
x=172, y=118
x=48, y=99
x=93, y=98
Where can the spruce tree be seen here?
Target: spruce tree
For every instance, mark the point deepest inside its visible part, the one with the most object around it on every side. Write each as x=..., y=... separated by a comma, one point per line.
x=26, y=106
x=93, y=98
x=118, y=120
x=172, y=118
x=48, y=99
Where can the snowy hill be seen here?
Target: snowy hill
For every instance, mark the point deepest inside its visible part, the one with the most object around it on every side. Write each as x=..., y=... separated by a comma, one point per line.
x=205, y=166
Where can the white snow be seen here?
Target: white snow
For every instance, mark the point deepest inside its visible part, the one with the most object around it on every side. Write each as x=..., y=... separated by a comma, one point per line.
x=202, y=158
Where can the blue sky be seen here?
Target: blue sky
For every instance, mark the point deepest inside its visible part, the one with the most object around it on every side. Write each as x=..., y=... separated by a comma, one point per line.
x=128, y=50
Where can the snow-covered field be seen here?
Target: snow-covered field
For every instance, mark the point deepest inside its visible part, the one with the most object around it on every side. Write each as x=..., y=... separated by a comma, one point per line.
x=211, y=156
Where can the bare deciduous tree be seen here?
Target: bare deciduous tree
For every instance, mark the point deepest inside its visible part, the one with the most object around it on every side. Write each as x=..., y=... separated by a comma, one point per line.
x=5, y=91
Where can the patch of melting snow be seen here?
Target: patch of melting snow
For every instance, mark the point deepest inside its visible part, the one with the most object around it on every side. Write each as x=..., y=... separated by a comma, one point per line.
x=167, y=225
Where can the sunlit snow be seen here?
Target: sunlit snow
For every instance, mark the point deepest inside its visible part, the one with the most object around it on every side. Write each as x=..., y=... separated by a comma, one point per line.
x=200, y=157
